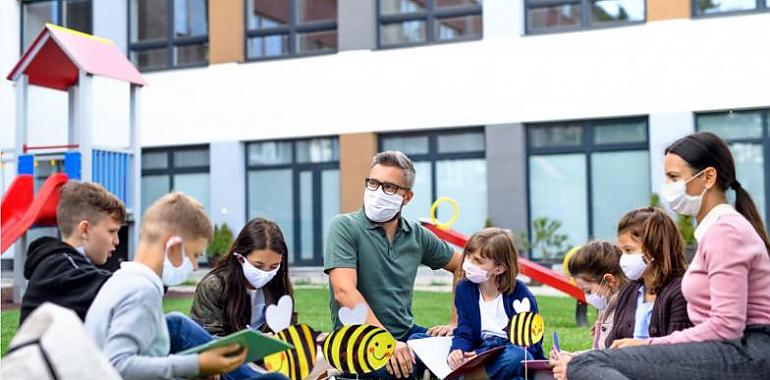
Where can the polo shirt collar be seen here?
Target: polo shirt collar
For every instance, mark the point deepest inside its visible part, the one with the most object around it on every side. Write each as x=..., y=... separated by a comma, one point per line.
x=370, y=225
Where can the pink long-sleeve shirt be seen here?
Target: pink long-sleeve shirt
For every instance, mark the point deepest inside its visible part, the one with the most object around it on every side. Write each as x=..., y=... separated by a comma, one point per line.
x=727, y=286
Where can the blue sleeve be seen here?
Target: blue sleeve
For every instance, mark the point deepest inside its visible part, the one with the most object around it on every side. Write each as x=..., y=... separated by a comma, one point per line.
x=462, y=338
x=536, y=350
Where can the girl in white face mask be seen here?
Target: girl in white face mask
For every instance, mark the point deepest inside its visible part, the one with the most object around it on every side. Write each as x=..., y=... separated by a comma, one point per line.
x=486, y=300
x=234, y=295
x=595, y=269
x=653, y=259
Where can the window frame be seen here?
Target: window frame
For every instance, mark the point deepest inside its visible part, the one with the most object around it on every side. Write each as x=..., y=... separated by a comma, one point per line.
x=585, y=17
x=429, y=15
x=169, y=42
x=59, y=17
x=763, y=141
x=296, y=167
x=292, y=28
x=587, y=147
x=171, y=169
x=761, y=6
x=433, y=155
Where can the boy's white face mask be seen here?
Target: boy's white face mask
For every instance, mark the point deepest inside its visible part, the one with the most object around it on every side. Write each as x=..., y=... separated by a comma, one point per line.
x=172, y=275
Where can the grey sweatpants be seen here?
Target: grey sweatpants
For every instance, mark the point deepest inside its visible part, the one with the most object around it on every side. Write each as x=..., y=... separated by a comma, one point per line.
x=746, y=358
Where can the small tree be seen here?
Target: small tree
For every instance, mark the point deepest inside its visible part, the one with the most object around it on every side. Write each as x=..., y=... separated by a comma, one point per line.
x=547, y=240
x=220, y=242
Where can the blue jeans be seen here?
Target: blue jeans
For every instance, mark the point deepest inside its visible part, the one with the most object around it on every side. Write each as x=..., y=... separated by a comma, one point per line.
x=416, y=332
x=184, y=333
x=507, y=365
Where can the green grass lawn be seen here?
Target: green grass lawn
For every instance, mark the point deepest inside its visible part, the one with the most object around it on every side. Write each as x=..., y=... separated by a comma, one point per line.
x=430, y=308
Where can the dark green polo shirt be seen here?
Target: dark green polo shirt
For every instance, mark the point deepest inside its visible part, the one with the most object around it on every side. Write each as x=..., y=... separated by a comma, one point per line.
x=386, y=271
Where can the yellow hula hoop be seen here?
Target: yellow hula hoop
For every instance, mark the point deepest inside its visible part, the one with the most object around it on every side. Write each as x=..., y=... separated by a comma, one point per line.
x=565, y=264
x=452, y=220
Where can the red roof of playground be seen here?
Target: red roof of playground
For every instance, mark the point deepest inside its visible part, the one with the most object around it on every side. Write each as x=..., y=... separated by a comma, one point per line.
x=57, y=54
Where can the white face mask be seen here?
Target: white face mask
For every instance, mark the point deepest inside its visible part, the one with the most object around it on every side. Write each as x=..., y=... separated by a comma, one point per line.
x=596, y=300
x=474, y=274
x=675, y=194
x=380, y=207
x=172, y=275
x=255, y=276
x=633, y=265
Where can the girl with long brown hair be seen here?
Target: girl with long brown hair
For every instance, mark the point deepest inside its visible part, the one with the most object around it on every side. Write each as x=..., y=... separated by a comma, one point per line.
x=253, y=275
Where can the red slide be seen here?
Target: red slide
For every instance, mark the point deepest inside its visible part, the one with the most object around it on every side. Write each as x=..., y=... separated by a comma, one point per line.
x=528, y=268
x=20, y=211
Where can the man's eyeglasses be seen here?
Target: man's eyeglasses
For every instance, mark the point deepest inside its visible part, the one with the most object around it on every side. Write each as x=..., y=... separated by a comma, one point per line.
x=387, y=187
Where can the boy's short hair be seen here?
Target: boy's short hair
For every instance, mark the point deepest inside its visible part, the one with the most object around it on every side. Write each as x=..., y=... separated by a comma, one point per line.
x=80, y=201
x=178, y=213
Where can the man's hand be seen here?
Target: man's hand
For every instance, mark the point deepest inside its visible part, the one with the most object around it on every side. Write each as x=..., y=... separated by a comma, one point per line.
x=442, y=330
x=402, y=362
x=221, y=360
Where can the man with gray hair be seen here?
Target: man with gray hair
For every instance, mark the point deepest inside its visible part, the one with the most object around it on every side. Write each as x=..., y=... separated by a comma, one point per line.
x=372, y=256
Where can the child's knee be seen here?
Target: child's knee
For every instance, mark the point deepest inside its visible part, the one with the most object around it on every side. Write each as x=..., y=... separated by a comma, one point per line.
x=512, y=355
x=175, y=318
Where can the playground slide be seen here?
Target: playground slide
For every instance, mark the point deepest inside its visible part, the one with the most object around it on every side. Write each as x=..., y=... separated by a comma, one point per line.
x=23, y=214
x=528, y=268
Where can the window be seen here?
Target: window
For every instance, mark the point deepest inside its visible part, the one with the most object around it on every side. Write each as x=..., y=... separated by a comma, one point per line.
x=184, y=169
x=560, y=15
x=448, y=164
x=281, y=28
x=295, y=183
x=716, y=7
x=415, y=22
x=73, y=14
x=587, y=174
x=746, y=132
x=168, y=33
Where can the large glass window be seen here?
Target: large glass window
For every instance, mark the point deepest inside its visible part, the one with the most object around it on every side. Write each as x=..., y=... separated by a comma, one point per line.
x=587, y=174
x=295, y=183
x=73, y=14
x=559, y=15
x=715, y=7
x=448, y=164
x=279, y=28
x=168, y=33
x=184, y=169
x=746, y=132
x=415, y=22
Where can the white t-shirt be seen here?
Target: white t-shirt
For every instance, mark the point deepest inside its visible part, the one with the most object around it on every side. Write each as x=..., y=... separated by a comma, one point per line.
x=257, y=307
x=493, y=317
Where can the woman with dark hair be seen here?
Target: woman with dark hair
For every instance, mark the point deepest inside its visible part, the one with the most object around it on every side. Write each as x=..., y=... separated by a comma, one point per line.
x=254, y=274
x=727, y=286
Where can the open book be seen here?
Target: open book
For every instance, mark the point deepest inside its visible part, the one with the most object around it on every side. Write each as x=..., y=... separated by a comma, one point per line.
x=435, y=351
x=258, y=345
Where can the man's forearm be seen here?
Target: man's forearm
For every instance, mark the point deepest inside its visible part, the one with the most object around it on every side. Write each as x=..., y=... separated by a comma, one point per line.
x=351, y=298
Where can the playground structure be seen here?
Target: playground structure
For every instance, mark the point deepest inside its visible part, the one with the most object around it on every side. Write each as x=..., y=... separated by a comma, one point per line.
x=66, y=60
x=528, y=268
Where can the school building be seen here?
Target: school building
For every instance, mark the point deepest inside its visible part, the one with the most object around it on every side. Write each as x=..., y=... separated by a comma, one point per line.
x=517, y=109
